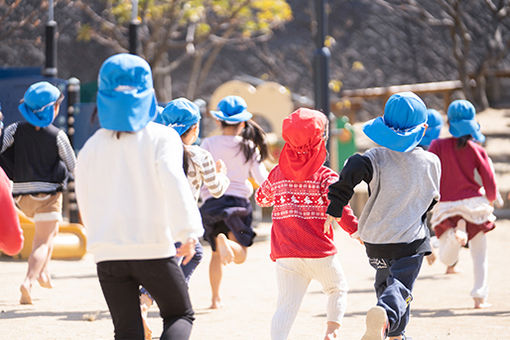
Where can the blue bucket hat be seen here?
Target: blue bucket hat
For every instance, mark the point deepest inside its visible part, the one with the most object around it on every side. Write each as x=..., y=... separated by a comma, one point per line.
x=402, y=126
x=435, y=123
x=180, y=114
x=125, y=97
x=461, y=116
x=38, y=105
x=232, y=110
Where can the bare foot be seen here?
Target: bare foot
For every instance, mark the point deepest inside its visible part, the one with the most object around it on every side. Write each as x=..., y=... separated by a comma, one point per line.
x=451, y=270
x=226, y=253
x=25, y=299
x=332, y=331
x=431, y=258
x=45, y=280
x=216, y=303
x=480, y=303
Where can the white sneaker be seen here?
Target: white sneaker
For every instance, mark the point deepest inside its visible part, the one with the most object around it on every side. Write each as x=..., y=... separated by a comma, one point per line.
x=377, y=324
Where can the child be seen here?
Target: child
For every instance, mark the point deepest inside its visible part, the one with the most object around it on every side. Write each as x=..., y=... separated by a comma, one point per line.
x=227, y=220
x=184, y=117
x=11, y=235
x=434, y=126
x=403, y=185
x=135, y=201
x=43, y=161
x=464, y=213
x=297, y=188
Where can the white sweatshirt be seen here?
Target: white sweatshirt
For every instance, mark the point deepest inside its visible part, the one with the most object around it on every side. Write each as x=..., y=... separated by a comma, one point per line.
x=134, y=198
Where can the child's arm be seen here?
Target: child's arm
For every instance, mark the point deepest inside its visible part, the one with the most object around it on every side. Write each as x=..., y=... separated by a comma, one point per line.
x=358, y=168
x=264, y=196
x=65, y=151
x=216, y=182
x=8, y=137
x=486, y=174
x=348, y=222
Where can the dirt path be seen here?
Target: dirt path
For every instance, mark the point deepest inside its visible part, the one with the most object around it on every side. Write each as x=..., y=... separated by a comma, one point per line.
x=441, y=308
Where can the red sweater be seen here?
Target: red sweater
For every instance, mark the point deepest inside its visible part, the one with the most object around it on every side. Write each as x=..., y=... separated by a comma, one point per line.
x=457, y=170
x=299, y=214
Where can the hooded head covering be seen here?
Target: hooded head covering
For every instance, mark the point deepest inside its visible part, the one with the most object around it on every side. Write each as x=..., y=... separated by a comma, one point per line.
x=232, y=110
x=304, y=151
x=403, y=124
x=435, y=123
x=125, y=98
x=180, y=114
x=38, y=105
x=461, y=116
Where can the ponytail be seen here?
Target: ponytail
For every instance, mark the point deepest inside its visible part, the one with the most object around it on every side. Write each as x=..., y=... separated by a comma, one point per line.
x=462, y=141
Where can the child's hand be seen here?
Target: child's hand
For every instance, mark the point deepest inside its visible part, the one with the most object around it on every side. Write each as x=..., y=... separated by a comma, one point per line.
x=187, y=250
x=221, y=167
x=327, y=224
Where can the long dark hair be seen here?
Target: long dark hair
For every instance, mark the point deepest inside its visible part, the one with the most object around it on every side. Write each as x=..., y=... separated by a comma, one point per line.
x=186, y=155
x=462, y=141
x=252, y=134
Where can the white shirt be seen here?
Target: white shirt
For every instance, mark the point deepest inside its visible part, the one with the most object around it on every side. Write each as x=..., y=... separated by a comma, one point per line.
x=227, y=148
x=134, y=198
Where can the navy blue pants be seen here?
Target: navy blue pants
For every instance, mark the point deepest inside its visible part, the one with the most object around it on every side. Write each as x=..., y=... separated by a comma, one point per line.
x=163, y=278
x=394, y=281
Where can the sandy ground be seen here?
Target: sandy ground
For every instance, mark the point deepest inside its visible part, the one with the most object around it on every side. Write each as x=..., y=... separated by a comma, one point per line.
x=442, y=307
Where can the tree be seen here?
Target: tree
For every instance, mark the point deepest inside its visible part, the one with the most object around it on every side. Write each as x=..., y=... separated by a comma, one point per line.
x=176, y=31
x=479, y=32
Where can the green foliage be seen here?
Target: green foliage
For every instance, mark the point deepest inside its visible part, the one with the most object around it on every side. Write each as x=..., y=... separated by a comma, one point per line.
x=84, y=33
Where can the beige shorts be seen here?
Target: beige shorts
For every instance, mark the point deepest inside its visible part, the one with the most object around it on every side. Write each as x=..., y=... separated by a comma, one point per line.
x=41, y=207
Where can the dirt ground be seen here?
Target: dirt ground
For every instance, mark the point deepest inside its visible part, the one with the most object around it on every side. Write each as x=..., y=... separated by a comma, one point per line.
x=442, y=307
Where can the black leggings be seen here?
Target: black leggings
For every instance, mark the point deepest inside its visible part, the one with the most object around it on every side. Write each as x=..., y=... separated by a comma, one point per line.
x=163, y=278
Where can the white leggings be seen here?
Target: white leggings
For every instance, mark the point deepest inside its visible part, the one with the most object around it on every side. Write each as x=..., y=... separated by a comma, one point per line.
x=293, y=275
x=449, y=250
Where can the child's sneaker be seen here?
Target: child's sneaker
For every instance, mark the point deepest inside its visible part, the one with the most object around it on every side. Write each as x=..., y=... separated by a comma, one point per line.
x=377, y=324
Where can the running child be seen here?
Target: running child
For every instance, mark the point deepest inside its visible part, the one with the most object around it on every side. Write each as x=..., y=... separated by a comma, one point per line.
x=184, y=117
x=303, y=250
x=227, y=220
x=42, y=163
x=136, y=202
x=464, y=213
x=434, y=126
x=403, y=185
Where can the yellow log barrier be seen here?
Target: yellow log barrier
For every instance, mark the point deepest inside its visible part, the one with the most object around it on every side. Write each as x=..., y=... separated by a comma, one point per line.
x=70, y=242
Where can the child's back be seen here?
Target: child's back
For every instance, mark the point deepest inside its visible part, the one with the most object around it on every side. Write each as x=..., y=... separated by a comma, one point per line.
x=303, y=250
x=402, y=185
x=299, y=213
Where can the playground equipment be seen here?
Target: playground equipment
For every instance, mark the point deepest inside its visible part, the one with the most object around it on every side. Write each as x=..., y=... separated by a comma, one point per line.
x=70, y=242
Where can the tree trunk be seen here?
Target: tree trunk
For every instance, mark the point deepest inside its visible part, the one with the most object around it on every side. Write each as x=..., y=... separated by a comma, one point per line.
x=163, y=87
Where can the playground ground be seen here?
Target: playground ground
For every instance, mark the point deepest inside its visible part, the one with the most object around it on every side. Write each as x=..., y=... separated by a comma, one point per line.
x=442, y=307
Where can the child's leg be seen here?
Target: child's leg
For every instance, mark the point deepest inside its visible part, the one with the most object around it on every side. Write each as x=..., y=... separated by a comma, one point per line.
x=396, y=298
x=328, y=271
x=449, y=248
x=240, y=252
x=45, y=232
x=215, y=276
x=121, y=292
x=292, y=287
x=478, y=247
x=145, y=303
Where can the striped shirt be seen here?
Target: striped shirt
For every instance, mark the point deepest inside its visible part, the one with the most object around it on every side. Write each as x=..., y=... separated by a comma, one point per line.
x=203, y=170
x=65, y=153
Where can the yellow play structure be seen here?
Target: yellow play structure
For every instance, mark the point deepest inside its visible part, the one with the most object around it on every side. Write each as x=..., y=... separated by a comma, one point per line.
x=70, y=242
